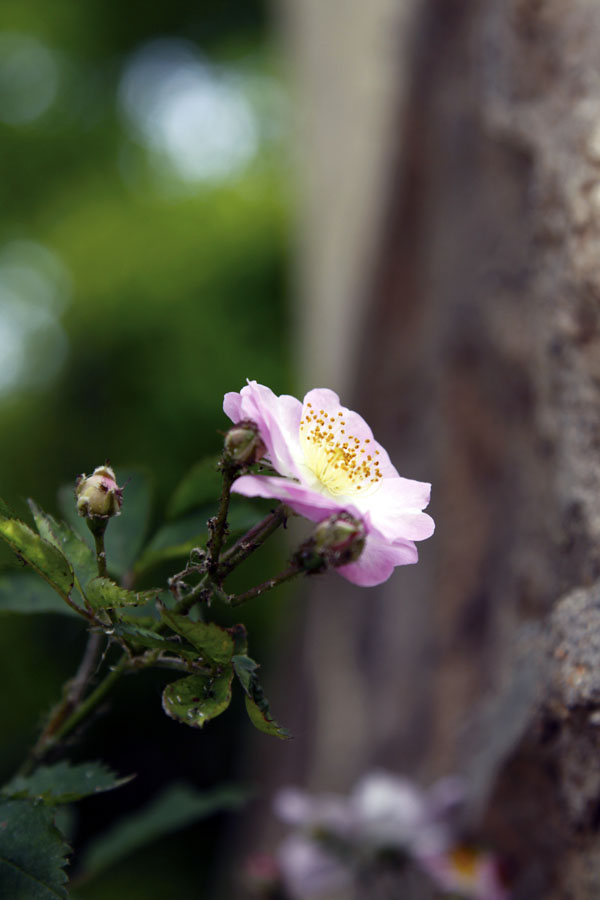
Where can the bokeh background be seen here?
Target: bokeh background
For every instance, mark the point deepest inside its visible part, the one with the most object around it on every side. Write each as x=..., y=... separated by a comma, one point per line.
x=144, y=271
x=395, y=200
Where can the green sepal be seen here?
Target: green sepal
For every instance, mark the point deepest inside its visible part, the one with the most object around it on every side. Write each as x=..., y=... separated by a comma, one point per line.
x=64, y=783
x=257, y=705
x=43, y=557
x=33, y=853
x=212, y=642
x=197, y=699
x=102, y=593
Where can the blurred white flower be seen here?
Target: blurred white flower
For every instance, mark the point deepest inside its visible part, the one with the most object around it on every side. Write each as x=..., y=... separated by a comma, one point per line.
x=308, y=870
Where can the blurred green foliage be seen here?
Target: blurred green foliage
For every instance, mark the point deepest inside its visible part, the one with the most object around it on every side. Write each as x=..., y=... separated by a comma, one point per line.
x=175, y=293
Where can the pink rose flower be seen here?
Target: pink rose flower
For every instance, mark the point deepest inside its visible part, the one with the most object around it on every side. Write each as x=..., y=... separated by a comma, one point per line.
x=329, y=461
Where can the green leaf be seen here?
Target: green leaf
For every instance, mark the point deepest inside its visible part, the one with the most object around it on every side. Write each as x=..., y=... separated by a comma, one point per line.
x=212, y=641
x=175, y=540
x=32, y=853
x=201, y=485
x=177, y=807
x=26, y=593
x=198, y=698
x=64, y=783
x=39, y=554
x=102, y=593
x=5, y=510
x=134, y=634
x=257, y=705
x=126, y=533
x=78, y=553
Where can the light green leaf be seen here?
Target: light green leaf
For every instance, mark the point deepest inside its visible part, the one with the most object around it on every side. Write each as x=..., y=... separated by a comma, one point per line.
x=200, y=486
x=102, y=593
x=177, y=807
x=64, y=783
x=78, y=553
x=213, y=642
x=197, y=699
x=257, y=705
x=39, y=554
x=26, y=593
x=32, y=853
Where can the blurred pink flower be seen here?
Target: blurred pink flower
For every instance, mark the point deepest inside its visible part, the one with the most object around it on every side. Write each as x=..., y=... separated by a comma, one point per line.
x=330, y=462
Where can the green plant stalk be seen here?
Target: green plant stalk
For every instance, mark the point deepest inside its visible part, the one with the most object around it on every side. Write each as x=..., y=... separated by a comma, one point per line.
x=72, y=693
x=93, y=699
x=69, y=707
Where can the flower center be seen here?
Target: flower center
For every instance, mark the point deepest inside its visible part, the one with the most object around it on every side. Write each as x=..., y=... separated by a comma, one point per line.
x=343, y=463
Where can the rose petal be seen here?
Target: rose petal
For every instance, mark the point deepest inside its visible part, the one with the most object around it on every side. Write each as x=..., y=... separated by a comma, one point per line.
x=378, y=560
x=306, y=502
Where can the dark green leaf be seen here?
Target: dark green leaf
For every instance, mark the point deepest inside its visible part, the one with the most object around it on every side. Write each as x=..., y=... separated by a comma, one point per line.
x=64, y=783
x=102, y=593
x=145, y=637
x=177, y=807
x=240, y=639
x=175, y=540
x=212, y=641
x=126, y=533
x=5, y=510
x=257, y=705
x=78, y=553
x=201, y=485
x=39, y=554
x=32, y=853
x=197, y=699
x=26, y=592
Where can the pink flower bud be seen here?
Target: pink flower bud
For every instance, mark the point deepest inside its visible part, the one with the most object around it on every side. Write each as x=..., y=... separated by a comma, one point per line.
x=98, y=495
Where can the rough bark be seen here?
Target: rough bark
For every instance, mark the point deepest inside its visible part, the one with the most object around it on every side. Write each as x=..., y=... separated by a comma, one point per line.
x=483, y=369
x=480, y=371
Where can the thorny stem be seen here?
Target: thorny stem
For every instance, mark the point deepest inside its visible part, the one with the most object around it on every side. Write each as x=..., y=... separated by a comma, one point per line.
x=219, y=523
x=251, y=541
x=284, y=576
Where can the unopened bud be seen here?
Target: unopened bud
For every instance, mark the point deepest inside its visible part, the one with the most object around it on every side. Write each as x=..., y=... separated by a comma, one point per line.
x=336, y=541
x=243, y=443
x=98, y=495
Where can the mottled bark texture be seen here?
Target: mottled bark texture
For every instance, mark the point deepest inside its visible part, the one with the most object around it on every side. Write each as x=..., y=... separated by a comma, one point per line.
x=479, y=369
x=481, y=372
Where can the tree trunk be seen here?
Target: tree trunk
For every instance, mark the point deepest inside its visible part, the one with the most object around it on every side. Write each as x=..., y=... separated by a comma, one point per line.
x=480, y=372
